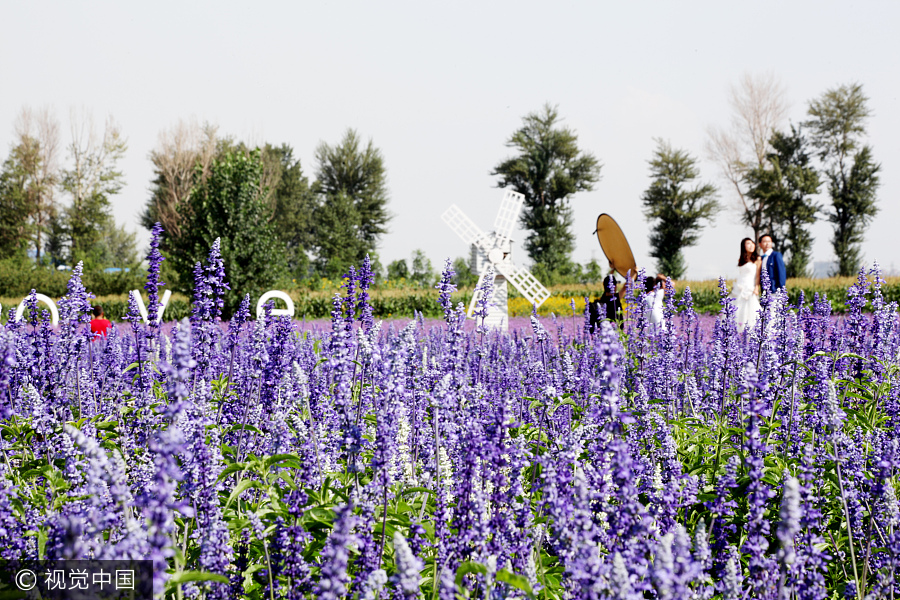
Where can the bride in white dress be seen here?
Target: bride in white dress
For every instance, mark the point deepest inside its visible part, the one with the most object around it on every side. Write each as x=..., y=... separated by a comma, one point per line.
x=746, y=288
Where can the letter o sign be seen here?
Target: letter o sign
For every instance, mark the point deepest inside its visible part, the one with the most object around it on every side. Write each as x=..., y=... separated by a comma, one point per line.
x=54, y=313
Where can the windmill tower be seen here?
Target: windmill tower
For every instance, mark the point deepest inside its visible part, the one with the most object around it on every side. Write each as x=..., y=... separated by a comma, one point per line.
x=495, y=249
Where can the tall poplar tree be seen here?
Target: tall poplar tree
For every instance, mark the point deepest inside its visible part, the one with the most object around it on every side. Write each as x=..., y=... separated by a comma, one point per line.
x=548, y=170
x=92, y=178
x=17, y=190
x=351, y=179
x=785, y=186
x=837, y=126
x=676, y=208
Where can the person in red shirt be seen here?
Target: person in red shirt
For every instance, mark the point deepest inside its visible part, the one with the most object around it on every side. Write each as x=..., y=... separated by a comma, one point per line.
x=99, y=325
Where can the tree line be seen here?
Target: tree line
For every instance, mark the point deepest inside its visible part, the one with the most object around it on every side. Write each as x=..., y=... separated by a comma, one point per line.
x=774, y=175
x=34, y=176
x=272, y=220
x=277, y=221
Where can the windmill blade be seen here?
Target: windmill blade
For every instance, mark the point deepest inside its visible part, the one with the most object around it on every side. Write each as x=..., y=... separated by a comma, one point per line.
x=522, y=279
x=508, y=215
x=465, y=228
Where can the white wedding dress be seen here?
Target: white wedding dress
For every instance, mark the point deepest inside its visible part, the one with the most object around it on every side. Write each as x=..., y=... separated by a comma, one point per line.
x=746, y=300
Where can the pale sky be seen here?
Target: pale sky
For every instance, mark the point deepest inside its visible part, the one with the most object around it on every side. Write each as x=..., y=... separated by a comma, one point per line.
x=440, y=87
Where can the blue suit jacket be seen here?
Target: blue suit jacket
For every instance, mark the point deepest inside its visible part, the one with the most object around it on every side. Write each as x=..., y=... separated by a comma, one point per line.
x=775, y=269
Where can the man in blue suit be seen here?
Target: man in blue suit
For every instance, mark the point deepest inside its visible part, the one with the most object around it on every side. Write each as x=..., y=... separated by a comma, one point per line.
x=772, y=262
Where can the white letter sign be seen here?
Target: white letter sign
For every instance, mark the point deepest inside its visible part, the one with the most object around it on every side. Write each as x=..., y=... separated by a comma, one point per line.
x=54, y=314
x=260, y=310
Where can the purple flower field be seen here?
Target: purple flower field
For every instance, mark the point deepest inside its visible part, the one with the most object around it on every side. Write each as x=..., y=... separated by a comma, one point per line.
x=432, y=459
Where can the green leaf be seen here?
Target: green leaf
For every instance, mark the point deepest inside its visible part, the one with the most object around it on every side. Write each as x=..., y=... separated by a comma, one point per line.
x=517, y=581
x=107, y=425
x=240, y=488
x=287, y=460
x=185, y=576
x=232, y=468
x=469, y=567
x=415, y=490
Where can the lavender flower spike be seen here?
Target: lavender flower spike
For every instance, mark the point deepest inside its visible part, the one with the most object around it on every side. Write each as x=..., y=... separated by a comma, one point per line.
x=408, y=568
x=446, y=287
x=790, y=521
x=155, y=259
x=486, y=290
x=336, y=556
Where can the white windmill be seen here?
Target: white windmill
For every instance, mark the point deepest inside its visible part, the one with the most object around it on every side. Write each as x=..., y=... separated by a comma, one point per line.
x=495, y=249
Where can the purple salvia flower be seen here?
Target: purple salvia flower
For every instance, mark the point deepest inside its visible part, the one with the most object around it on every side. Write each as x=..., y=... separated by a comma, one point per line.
x=732, y=583
x=620, y=581
x=789, y=525
x=726, y=351
x=293, y=541
x=809, y=575
x=12, y=525
x=350, y=282
x=74, y=314
x=540, y=332
x=65, y=540
x=674, y=569
x=363, y=306
x=409, y=567
x=374, y=584
x=200, y=305
x=202, y=479
x=608, y=371
x=209, y=287
x=446, y=287
x=154, y=260
x=215, y=271
x=159, y=502
x=485, y=293
x=335, y=556
x=133, y=316
x=585, y=319
x=75, y=306
x=758, y=493
x=855, y=321
x=178, y=371
x=241, y=316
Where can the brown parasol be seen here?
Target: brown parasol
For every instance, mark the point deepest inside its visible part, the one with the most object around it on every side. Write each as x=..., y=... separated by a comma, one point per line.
x=615, y=246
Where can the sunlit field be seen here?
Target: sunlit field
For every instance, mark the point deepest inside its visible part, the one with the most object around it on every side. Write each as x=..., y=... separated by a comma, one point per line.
x=431, y=458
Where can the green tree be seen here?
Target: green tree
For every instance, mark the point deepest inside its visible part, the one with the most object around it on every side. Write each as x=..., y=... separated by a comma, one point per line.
x=676, y=209
x=118, y=248
x=785, y=188
x=37, y=145
x=180, y=150
x=356, y=174
x=422, y=272
x=548, y=170
x=16, y=191
x=837, y=126
x=294, y=208
x=398, y=270
x=337, y=241
x=228, y=204
x=592, y=273
x=463, y=275
x=91, y=180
